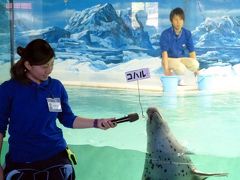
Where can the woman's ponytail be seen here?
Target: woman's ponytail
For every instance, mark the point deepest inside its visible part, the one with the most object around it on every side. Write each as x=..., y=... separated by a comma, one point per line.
x=37, y=52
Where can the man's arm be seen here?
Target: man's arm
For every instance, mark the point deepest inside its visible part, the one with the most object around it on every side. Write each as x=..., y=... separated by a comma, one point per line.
x=164, y=45
x=192, y=54
x=166, y=69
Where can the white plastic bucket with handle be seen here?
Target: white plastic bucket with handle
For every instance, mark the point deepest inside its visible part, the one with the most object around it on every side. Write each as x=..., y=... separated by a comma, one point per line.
x=169, y=83
x=205, y=82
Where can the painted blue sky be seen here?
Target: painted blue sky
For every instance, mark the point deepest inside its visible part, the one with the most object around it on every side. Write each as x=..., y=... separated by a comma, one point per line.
x=56, y=13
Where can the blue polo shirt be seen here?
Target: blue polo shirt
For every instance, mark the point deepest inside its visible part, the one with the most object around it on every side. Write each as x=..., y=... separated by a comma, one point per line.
x=33, y=132
x=176, y=45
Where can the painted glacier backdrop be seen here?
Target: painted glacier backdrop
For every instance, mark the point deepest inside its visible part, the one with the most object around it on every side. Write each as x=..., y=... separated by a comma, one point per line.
x=98, y=41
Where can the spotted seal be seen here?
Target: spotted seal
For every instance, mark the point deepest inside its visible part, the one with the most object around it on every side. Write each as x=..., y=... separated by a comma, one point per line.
x=166, y=158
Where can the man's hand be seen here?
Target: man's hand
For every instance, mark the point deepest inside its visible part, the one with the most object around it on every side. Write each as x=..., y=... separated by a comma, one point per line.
x=168, y=73
x=196, y=73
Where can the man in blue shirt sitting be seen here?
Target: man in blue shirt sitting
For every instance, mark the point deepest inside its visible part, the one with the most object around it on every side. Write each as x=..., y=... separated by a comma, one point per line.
x=177, y=47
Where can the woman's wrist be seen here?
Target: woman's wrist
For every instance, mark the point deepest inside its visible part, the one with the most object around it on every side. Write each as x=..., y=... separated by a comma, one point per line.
x=95, y=123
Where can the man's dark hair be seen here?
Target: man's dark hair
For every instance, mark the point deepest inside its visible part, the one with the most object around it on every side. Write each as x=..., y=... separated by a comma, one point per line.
x=177, y=11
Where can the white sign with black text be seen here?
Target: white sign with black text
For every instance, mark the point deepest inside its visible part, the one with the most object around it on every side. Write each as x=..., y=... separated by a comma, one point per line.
x=138, y=74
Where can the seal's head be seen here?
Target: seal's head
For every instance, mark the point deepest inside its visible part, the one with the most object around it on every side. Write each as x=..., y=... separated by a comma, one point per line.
x=159, y=135
x=156, y=123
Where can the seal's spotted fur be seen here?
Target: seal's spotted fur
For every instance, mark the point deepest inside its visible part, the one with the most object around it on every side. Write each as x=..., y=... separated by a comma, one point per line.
x=166, y=159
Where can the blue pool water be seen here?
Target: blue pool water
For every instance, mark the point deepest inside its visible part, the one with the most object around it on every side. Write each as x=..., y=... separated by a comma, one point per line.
x=207, y=124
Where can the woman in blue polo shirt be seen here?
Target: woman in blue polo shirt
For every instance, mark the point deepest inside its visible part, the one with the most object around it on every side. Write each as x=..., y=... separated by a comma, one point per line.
x=177, y=47
x=31, y=101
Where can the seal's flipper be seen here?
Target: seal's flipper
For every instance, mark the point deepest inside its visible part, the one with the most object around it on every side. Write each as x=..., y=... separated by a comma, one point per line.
x=206, y=175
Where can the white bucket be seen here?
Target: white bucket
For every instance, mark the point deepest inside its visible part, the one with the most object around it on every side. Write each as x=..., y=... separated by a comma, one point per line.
x=169, y=83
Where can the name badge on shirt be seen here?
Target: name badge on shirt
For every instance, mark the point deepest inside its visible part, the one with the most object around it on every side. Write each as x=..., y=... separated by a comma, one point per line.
x=54, y=104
